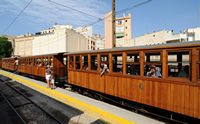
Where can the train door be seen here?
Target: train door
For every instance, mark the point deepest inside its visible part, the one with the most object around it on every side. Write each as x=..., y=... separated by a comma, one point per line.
x=60, y=68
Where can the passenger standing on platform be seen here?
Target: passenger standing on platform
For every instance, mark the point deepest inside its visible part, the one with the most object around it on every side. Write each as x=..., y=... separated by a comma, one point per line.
x=52, y=79
x=48, y=76
x=16, y=64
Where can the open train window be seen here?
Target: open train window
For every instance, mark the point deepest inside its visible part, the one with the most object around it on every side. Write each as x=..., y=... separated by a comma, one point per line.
x=77, y=62
x=51, y=61
x=117, y=62
x=84, y=62
x=65, y=61
x=94, y=62
x=179, y=64
x=104, y=61
x=133, y=64
x=71, y=61
x=153, y=65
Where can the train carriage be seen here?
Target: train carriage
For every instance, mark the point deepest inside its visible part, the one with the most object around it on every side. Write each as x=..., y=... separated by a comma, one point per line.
x=35, y=65
x=175, y=88
x=0, y=62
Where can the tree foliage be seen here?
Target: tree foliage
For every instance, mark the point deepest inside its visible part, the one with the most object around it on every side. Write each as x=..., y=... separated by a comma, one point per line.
x=5, y=47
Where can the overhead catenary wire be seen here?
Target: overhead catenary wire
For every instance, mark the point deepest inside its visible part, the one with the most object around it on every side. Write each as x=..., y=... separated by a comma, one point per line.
x=70, y=34
x=13, y=21
x=134, y=6
x=118, y=12
x=74, y=9
x=101, y=19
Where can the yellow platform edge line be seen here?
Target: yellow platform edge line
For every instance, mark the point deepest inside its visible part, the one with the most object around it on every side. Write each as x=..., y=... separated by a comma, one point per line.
x=66, y=99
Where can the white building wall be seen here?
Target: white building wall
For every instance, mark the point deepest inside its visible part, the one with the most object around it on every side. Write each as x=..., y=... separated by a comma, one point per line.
x=100, y=44
x=195, y=31
x=61, y=40
x=50, y=43
x=23, y=46
x=152, y=38
x=76, y=41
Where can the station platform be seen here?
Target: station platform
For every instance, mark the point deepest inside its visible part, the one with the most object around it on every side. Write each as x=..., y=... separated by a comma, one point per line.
x=92, y=109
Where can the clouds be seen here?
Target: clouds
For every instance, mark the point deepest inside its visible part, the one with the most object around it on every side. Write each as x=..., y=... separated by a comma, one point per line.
x=44, y=12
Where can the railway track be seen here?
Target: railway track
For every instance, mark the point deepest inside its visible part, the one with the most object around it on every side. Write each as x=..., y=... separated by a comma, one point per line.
x=26, y=109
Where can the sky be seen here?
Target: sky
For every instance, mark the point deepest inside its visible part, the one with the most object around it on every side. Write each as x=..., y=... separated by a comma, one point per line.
x=156, y=15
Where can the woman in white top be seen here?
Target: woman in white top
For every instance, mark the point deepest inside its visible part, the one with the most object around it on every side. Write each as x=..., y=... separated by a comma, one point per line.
x=52, y=78
x=48, y=76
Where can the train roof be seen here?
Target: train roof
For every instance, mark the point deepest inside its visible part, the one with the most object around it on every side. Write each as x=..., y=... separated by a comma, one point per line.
x=54, y=54
x=157, y=46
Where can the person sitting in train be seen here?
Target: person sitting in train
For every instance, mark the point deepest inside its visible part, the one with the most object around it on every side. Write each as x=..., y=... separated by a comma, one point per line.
x=104, y=69
x=39, y=64
x=132, y=70
x=158, y=72
x=85, y=67
x=184, y=72
x=154, y=71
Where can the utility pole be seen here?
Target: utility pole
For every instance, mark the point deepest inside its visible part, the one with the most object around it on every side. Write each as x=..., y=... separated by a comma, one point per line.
x=113, y=24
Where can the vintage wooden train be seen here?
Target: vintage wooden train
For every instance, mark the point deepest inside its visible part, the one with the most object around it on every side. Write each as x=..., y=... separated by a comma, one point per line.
x=36, y=65
x=175, y=87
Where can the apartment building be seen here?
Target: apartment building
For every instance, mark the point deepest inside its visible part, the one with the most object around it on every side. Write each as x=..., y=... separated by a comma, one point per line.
x=123, y=30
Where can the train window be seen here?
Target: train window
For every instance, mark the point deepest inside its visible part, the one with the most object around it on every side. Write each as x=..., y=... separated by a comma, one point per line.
x=153, y=65
x=117, y=62
x=132, y=64
x=104, y=63
x=179, y=64
x=152, y=57
x=77, y=62
x=71, y=61
x=31, y=61
x=65, y=61
x=44, y=61
x=94, y=62
x=85, y=62
x=39, y=62
x=51, y=61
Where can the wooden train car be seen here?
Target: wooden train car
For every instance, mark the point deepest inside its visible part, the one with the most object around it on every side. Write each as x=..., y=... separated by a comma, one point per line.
x=35, y=65
x=175, y=88
x=0, y=62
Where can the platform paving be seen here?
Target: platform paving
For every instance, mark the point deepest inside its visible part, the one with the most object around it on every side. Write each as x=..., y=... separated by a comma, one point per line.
x=97, y=110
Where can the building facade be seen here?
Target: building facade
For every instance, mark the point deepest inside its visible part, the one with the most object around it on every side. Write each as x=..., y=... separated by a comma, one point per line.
x=167, y=36
x=86, y=31
x=191, y=34
x=94, y=41
x=60, y=38
x=100, y=42
x=23, y=45
x=158, y=37
x=122, y=31
x=108, y=30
